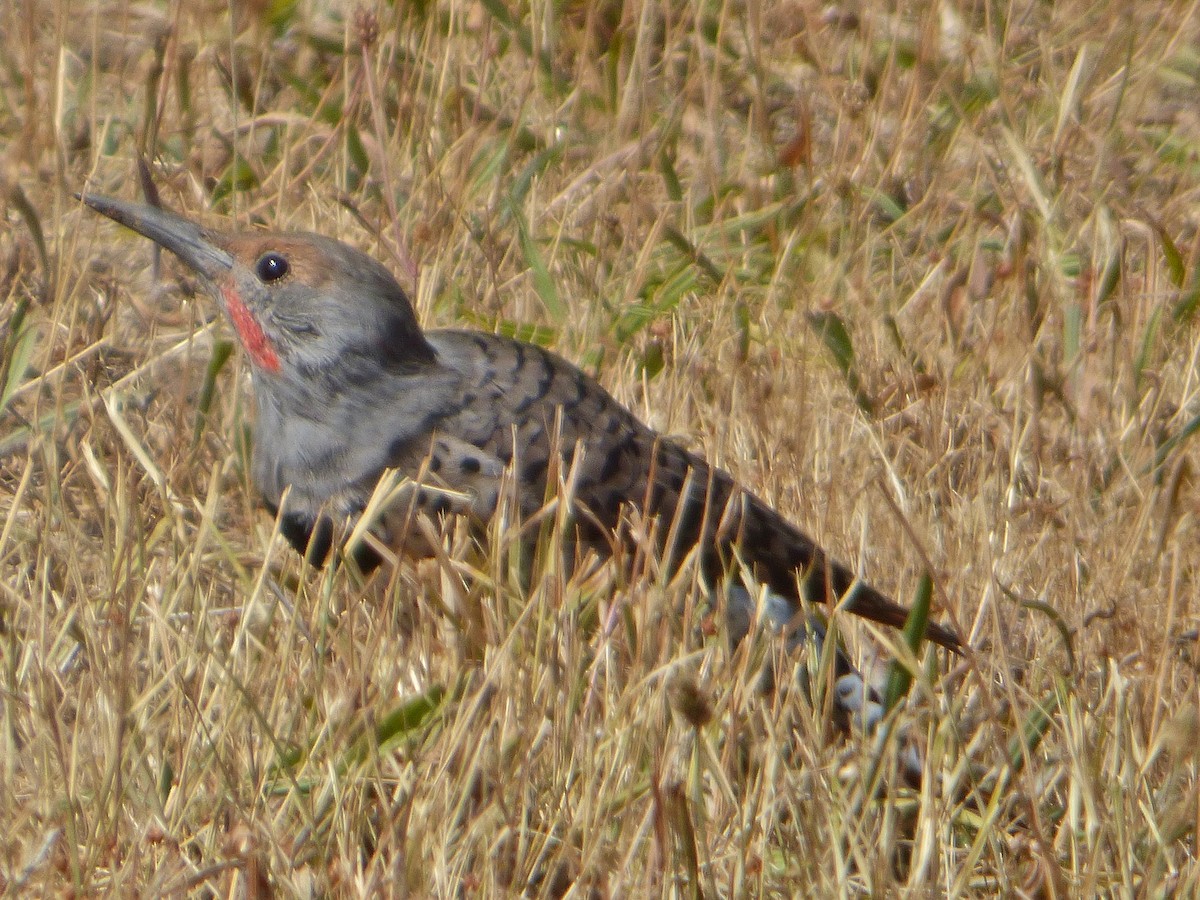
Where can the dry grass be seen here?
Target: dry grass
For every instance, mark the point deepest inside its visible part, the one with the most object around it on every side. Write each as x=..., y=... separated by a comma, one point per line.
x=998, y=204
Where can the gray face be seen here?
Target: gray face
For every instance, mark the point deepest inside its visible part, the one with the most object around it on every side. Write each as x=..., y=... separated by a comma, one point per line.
x=328, y=333
x=301, y=304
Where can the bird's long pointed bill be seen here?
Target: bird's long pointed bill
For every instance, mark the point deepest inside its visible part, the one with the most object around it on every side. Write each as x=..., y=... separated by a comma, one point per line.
x=185, y=239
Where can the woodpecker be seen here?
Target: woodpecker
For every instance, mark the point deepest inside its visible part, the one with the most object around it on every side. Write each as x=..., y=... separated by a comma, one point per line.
x=348, y=386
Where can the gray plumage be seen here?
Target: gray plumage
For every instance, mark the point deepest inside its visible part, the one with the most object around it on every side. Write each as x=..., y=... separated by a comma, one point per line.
x=347, y=385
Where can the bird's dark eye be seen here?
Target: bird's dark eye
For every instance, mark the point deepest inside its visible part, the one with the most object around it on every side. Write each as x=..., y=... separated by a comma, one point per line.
x=271, y=267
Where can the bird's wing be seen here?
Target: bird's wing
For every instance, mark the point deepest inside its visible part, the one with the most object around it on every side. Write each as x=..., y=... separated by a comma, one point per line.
x=528, y=410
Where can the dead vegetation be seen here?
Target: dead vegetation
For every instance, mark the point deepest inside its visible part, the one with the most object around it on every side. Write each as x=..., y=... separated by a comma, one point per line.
x=925, y=275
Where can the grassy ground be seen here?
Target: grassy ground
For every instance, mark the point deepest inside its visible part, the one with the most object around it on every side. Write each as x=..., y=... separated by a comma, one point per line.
x=926, y=276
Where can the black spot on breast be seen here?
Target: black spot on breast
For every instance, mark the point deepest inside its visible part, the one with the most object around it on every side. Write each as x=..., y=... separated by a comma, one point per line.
x=439, y=505
x=312, y=540
x=297, y=530
x=470, y=465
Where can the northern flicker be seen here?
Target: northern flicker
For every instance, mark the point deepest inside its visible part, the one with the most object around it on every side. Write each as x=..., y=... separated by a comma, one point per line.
x=348, y=385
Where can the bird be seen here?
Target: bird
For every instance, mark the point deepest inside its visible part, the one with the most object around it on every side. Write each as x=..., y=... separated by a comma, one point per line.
x=348, y=387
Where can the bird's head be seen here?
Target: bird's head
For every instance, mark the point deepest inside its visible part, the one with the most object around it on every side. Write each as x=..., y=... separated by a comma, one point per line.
x=301, y=304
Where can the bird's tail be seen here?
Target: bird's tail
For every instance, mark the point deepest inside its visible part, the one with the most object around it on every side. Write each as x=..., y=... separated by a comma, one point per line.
x=792, y=565
x=707, y=510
